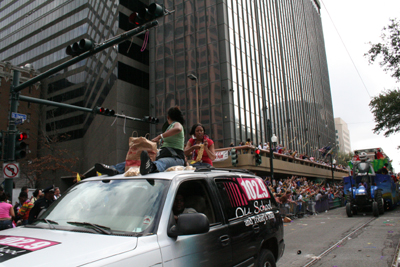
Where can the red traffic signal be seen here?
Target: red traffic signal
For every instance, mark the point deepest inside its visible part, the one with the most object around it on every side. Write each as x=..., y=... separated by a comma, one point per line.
x=258, y=157
x=150, y=119
x=133, y=18
x=20, y=145
x=21, y=136
x=144, y=15
x=104, y=111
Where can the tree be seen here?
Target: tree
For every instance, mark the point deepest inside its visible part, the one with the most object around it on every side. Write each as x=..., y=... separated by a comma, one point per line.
x=386, y=106
x=344, y=158
x=386, y=110
x=53, y=159
x=389, y=49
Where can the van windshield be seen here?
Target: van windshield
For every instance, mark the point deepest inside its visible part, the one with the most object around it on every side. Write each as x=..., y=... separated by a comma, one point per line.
x=118, y=205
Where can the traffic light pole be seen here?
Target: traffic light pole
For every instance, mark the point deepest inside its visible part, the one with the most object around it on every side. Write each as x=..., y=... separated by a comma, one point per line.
x=12, y=130
x=114, y=41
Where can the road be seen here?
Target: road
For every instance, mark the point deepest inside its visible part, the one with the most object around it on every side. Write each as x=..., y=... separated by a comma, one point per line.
x=333, y=239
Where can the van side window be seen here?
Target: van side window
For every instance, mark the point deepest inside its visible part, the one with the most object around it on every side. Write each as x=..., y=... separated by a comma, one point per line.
x=192, y=197
x=231, y=195
x=244, y=196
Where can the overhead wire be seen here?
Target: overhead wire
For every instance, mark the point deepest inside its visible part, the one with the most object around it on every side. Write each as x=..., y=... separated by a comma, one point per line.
x=348, y=53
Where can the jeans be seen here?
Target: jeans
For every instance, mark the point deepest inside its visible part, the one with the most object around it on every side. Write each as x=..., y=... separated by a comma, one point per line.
x=299, y=207
x=5, y=224
x=120, y=167
x=164, y=163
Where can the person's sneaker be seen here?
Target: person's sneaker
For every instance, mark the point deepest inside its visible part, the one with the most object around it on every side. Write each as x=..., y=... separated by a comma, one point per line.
x=146, y=165
x=105, y=169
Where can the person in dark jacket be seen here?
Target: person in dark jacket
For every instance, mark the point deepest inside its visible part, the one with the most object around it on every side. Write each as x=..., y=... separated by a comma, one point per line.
x=42, y=203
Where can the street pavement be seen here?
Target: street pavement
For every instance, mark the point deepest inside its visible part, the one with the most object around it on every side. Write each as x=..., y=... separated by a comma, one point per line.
x=332, y=239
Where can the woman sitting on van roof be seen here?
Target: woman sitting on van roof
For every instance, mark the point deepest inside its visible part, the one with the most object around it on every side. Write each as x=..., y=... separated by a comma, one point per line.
x=200, y=147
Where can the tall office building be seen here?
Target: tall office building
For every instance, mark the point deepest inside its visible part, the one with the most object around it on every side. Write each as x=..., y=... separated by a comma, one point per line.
x=253, y=61
x=38, y=32
x=342, y=136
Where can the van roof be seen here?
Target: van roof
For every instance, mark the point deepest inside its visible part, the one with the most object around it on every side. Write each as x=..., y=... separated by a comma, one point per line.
x=170, y=175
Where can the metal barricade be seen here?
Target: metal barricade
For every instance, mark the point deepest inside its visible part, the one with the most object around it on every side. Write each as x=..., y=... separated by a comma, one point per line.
x=310, y=207
x=283, y=210
x=290, y=210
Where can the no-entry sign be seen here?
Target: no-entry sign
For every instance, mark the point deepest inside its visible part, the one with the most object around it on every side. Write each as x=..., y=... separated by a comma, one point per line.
x=11, y=170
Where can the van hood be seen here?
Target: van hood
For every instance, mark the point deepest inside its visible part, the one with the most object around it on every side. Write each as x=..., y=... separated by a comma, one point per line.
x=45, y=247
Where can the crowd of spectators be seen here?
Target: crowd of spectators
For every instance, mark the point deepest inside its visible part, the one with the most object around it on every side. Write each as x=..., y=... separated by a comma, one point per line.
x=280, y=149
x=298, y=190
x=26, y=209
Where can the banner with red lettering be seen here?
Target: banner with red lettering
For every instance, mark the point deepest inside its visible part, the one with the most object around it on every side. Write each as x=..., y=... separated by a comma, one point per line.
x=221, y=155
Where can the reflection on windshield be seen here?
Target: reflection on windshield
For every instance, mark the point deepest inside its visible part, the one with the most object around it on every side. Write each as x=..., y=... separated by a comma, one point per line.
x=121, y=205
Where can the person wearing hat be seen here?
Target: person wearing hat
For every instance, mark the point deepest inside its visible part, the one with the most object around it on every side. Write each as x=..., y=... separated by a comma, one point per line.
x=42, y=203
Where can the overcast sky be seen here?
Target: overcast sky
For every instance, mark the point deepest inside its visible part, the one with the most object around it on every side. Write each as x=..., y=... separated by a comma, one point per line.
x=358, y=22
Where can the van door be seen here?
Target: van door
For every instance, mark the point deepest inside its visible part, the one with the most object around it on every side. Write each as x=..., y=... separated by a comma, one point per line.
x=209, y=249
x=246, y=202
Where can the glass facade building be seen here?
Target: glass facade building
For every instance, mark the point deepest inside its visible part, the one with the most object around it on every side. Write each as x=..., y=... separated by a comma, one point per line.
x=38, y=32
x=254, y=60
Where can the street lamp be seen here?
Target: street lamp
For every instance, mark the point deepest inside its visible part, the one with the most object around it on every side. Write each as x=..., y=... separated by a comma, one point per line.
x=272, y=140
x=333, y=162
x=194, y=78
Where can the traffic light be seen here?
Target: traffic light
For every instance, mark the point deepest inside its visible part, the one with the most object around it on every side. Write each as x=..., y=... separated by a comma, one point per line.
x=234, y=157
x=144, y=15
x=20, y=145
x=104, y=111
x=150, y=119
x=258, y=157
x=3, y=145
x=80, y=47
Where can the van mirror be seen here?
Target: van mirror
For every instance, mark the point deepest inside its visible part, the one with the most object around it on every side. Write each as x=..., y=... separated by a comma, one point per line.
x=190, y=224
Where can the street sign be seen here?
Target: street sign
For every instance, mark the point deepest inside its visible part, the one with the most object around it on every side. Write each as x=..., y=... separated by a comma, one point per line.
x=18, y=116
x=11, y=170
x=18, y=121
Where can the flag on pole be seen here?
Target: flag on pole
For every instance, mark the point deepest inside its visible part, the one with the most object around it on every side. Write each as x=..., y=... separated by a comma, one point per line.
x=78, y=178
x=324, y=150
x=99, y=174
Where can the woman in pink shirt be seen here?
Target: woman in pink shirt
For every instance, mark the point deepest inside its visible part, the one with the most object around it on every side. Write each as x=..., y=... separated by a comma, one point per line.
x=6, y=213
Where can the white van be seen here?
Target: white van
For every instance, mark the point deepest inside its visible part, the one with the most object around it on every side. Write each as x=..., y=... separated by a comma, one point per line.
x=186, y=218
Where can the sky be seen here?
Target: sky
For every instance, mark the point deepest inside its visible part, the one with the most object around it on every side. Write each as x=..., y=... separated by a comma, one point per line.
x=352, y=25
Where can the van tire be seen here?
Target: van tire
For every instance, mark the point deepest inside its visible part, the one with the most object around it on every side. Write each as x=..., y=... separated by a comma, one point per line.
x=266, y=259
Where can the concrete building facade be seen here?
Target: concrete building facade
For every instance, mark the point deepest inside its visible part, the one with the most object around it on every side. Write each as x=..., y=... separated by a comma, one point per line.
x=342, y=136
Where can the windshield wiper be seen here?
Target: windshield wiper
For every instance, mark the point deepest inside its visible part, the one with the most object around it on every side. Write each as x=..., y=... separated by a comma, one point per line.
x=49, y=222
x=99, y=228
